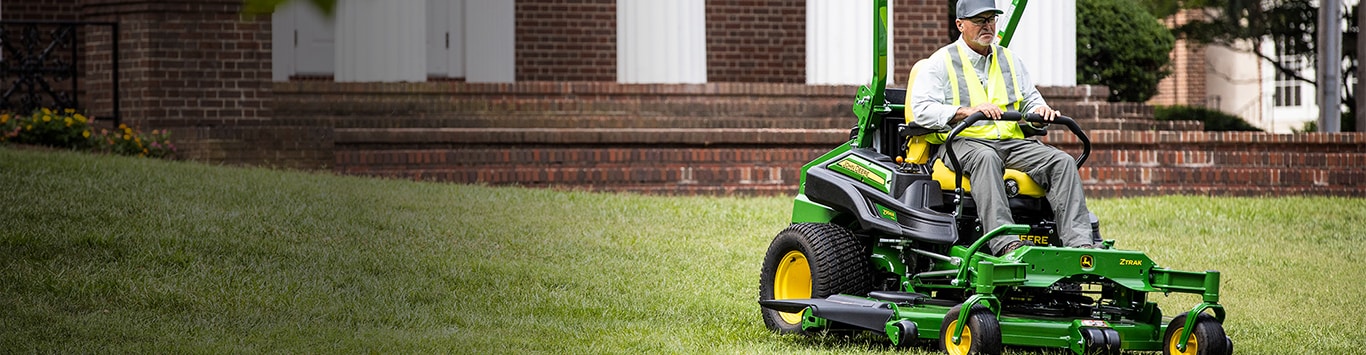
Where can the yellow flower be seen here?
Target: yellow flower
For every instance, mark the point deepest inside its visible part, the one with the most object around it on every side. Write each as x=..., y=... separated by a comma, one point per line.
x=47, y=111
x=123, y=126
x=126, y=137
x=71, y=110
x=85, y=134
x=28, y=127
x=68, y=121
x=80, y=117
x=47, y=118
x=4, y=118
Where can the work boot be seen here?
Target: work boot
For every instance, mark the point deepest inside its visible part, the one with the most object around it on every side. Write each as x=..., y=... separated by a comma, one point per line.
x=1010, y=247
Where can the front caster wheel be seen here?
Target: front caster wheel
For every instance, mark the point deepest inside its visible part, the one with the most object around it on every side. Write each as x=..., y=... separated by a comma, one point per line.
x=981, y=334
x=1207, y=337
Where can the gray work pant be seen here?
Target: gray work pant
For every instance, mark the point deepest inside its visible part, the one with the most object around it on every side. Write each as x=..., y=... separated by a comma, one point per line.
x=985, y=162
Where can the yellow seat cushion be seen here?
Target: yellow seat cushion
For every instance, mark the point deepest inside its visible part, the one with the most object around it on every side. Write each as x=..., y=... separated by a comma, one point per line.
x=946, y=180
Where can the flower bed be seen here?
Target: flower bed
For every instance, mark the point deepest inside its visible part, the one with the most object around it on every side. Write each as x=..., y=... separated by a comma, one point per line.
x=70, y=129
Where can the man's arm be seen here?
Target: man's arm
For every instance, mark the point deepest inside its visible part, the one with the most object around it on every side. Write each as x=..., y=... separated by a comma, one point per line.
x=926, y=99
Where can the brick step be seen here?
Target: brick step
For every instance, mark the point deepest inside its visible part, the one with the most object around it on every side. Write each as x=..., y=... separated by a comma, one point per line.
x=1130, y=124
x=782, y=180
x=780, y=136
x=608, y=121
x=721, y=173
x=708, y=175
x=464, y=120
x=475, y=156
x=655, y=136
x=562, y=156
x=1330, y=142
x=1101, y=109
x=569, y=105
x=1216, y=176
x=1134, y=190
x=1226, y=159
x=566, y=104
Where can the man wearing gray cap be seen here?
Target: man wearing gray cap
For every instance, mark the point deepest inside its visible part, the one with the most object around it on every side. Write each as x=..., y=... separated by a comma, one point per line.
x=973, y=75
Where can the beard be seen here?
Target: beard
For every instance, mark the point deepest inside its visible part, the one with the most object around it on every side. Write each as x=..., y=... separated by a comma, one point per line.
x=983, y=39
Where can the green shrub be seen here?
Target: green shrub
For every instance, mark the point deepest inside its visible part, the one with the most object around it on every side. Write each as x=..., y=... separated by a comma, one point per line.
x=1121, y=46
x=70, y=129
x=1214, y=120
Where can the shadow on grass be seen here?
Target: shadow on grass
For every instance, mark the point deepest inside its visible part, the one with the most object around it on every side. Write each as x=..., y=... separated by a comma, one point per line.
x=862, y=341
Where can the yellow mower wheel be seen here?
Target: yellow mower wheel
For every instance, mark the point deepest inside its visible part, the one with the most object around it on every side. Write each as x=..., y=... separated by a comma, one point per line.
x=793, y=280
x=811, y=260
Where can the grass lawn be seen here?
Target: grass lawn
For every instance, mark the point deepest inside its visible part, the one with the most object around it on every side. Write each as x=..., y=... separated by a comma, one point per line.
x=122, y=255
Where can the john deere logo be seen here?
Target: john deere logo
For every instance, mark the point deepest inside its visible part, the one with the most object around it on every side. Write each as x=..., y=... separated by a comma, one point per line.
x=1087, y=262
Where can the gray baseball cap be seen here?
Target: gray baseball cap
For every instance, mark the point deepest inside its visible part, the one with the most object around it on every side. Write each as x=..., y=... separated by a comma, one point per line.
x=970, y=8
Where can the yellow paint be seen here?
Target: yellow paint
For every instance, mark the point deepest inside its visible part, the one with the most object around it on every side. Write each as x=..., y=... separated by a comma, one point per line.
x=792, y=280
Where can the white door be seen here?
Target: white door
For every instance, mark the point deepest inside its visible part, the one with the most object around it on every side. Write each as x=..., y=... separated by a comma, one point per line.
x=302, y=41
x=445, y=40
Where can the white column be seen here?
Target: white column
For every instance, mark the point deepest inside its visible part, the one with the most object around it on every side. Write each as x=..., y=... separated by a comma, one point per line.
x=490, y=41
x=839, y=42
x=381, y=41
x=661, y=41
x=1046, y=39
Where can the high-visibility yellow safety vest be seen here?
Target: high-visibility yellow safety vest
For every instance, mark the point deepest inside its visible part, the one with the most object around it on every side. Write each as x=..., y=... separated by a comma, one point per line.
x=1005, y=94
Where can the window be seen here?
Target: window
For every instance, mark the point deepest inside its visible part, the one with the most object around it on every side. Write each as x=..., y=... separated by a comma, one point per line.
x=1289, y=92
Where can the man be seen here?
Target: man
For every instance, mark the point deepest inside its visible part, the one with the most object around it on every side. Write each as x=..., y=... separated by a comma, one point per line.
x=974, y=75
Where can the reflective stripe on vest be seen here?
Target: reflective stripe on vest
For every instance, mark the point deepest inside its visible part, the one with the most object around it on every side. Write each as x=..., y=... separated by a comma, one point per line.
x=1004, y=93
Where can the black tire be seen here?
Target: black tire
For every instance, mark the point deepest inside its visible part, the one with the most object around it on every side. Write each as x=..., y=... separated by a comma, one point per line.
x=907, y=334
x=1101, y=341
x=837, y=263
x=982, y=335
x=1208, y=336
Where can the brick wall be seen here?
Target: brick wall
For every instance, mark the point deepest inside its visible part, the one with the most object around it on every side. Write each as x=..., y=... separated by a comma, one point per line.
x=1186, y=85
x=566, y=40
x=756, y=41
x=184, y=62
x=40, y=10
x=919, y=29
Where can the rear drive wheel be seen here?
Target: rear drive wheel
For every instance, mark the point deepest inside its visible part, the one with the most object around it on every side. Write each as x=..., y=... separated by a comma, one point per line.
x=1207, y=337
x=981, y=335
x=811, y=260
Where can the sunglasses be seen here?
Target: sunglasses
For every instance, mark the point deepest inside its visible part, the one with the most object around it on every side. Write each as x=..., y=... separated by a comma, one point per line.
x=982, y=20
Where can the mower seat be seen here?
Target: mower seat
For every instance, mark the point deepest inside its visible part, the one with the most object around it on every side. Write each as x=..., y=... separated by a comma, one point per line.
x=1017, y=182
x=918, y=151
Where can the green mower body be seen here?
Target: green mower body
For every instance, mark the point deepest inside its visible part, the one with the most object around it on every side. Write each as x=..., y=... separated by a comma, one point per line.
x=877, y=245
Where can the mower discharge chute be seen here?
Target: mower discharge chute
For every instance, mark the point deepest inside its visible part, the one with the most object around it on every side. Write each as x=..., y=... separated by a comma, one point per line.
x=885, y=241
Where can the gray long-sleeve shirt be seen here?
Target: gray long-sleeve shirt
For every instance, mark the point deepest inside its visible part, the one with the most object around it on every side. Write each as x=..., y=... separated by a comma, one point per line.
x=931, y=98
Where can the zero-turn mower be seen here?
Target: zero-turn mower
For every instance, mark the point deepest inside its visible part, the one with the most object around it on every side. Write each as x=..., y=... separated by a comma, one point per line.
x=883, y=240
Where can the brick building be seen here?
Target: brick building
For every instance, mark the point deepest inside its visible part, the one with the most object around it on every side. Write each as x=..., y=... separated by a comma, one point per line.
x=603, y=94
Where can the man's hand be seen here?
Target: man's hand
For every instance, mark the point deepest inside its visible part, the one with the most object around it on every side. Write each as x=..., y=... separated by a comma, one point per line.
x=1048, y=114
x=991, y=111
